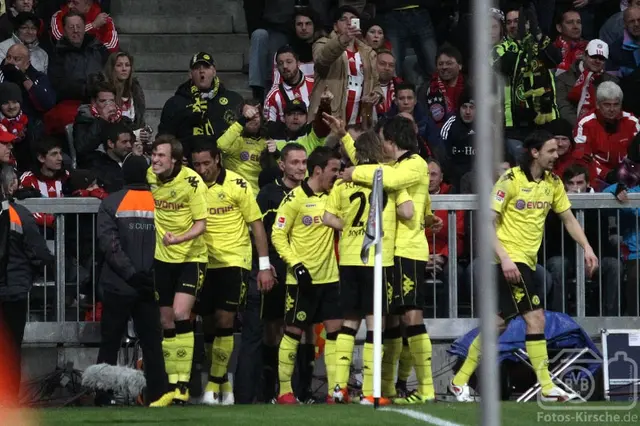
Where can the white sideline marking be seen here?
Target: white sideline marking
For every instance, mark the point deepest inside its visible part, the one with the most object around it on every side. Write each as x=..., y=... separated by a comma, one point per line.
x=436, y=421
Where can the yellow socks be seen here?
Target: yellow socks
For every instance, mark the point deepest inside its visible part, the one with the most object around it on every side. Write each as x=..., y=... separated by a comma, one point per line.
x=183, y=350
x=469, y=365
x=536, y=346
x=406, y=362
x=343, y=357
x=367, y=365
x=330, y=358
x=169, y=352
x=287, y=361
x=392, y=349
x=221, y=351
x=420, y=346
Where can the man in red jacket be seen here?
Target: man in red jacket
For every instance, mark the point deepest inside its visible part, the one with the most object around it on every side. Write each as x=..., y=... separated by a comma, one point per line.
x=437, y=266
x=98, y=24
x=602, y=138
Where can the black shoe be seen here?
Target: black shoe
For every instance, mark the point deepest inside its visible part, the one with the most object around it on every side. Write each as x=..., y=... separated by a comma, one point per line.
x=105, y=399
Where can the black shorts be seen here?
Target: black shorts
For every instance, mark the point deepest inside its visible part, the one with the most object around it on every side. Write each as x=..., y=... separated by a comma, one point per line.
x=520, y=298
x=172, y=278
x=272, y=303
x=224, y=290
x=409, y=288
x=356, y=289
x=319, y=303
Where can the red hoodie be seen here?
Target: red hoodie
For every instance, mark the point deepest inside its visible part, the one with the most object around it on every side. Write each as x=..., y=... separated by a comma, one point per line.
x=107, y=33
x=441, y=245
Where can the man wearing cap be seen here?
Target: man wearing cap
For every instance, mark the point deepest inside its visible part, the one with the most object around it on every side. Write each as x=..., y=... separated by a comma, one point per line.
x=126, y=236
x=26, y=29
x=345, y=66
x=577, y=86
x=201, y=105
x=6, y=145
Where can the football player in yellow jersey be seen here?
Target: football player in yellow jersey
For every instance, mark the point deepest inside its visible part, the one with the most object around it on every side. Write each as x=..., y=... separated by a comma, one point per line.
x=306, y=246
x=522, y=197
x=345, y=210
x=242, y=144
x=409, y=172
x=231, y=206
x=180, y=257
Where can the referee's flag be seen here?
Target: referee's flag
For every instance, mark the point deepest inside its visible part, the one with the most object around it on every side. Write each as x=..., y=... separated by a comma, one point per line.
x=373, y=230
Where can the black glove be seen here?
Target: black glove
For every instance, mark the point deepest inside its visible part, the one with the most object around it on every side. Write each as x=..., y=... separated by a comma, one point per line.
x=140, y=280
x=13, y=74
x=303, y=277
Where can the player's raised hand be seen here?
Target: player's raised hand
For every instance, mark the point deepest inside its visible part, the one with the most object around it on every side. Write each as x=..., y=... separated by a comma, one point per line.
x=335, y=124
x=265, y=280
x=511, y=271
x=591, y=260
x=169, y=239
x=347, y=174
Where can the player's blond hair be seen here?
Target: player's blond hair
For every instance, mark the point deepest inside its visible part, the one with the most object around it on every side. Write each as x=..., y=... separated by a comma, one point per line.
x=369, y=148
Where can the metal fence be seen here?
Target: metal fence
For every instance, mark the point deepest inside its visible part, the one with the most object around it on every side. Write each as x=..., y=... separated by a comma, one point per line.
x=62, y=308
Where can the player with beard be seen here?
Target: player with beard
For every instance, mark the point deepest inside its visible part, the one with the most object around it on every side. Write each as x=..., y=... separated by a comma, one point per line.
x=521, y=199
x=312, y=283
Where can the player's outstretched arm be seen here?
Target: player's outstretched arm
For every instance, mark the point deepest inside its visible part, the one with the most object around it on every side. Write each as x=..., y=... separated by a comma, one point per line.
x=265, y=277
x=332, y=221
x=575, y=230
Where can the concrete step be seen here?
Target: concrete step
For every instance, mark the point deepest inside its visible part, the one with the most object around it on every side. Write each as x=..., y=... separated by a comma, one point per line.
x=175, y=8
x=188, y=44
x=145, y=62
x=168, y=24
x=171, y=80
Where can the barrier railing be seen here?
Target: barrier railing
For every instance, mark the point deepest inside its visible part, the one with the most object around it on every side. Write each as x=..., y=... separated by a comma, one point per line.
x=61, y=310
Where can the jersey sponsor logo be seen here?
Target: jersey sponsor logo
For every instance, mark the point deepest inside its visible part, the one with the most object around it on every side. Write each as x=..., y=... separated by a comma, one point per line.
x=246, y=156
x=500, y=196
x=281, y=222
x=310, y=220
x=220, y=210
x=168, y=205
x=531, y=205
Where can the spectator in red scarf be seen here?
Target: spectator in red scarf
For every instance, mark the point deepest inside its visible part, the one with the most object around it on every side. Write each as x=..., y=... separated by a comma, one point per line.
x=15, y=121
x=569, y=41
x=386, y=64
x=576, y=88
x=562, y=132
x=446, y=85
x=99, y=24
x=602, y=138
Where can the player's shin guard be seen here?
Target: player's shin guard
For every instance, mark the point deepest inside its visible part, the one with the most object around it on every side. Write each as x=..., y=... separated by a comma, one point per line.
x=287, y=360
x=420, y=346
x=469, y=365
x=184, y=351
x=221, y=351
x=169, y=352
x=367, y=365
x=392, y=348
x=344, y=355
x=330, y=357
x=406, y=363
x=536, y=346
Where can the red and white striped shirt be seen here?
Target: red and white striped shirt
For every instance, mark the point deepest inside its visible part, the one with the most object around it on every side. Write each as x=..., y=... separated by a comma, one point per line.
x=107, y=33
x=355, y=85
x=48, y=187
x=274, y=104
x=388, y=96
x=306, y=68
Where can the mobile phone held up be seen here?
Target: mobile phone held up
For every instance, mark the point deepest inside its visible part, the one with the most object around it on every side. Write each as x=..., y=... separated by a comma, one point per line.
x=355, y=22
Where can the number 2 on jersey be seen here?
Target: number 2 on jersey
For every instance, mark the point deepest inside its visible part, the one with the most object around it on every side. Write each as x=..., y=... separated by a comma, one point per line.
x=363, y=203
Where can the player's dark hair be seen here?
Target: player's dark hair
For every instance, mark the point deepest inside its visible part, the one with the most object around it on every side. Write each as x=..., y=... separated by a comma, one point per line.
x=112, y=131
x=450, y=51
x=286, y=49
x=320, y=158
x=46, y=144
x=177, y=150
x=575, y=170
x=534, y=140
x=405, y=86
x=401, y=132
x=72, y=14
x=369, y=148
x=291, y=147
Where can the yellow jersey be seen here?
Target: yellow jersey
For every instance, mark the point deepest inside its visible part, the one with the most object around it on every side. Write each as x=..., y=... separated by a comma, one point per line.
x=179, y=202
x=242, y=154
x=409, y=172
x=299, y=235
x=350, y=202
x=231, y=206
x=522, y=205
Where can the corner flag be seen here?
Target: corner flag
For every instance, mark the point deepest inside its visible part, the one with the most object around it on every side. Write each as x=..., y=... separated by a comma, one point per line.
x=373, y=230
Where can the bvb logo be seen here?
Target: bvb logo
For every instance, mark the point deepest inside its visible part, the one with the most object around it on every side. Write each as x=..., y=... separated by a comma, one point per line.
x=224, y=101
x=166, y=354
x=292, y=356
x=535, y=300
x=220, y=355
x=301, y=316
x=181, y=353
x=157, y=295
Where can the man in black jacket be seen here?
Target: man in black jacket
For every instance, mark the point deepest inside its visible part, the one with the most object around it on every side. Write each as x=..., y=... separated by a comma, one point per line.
x=126, y=236
x=201, y=106
x=117, y=143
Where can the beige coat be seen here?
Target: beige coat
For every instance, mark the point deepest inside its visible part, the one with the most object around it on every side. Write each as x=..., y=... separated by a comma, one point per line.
x=332, y=70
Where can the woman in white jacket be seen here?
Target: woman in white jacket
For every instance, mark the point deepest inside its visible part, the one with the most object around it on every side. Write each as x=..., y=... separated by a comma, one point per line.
x=27, y=26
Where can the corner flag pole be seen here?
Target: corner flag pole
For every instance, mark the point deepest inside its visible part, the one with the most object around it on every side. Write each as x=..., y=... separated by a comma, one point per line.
x=373, y=236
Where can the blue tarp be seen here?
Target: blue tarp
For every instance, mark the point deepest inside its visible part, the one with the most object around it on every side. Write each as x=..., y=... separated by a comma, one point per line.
x=561, y=331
